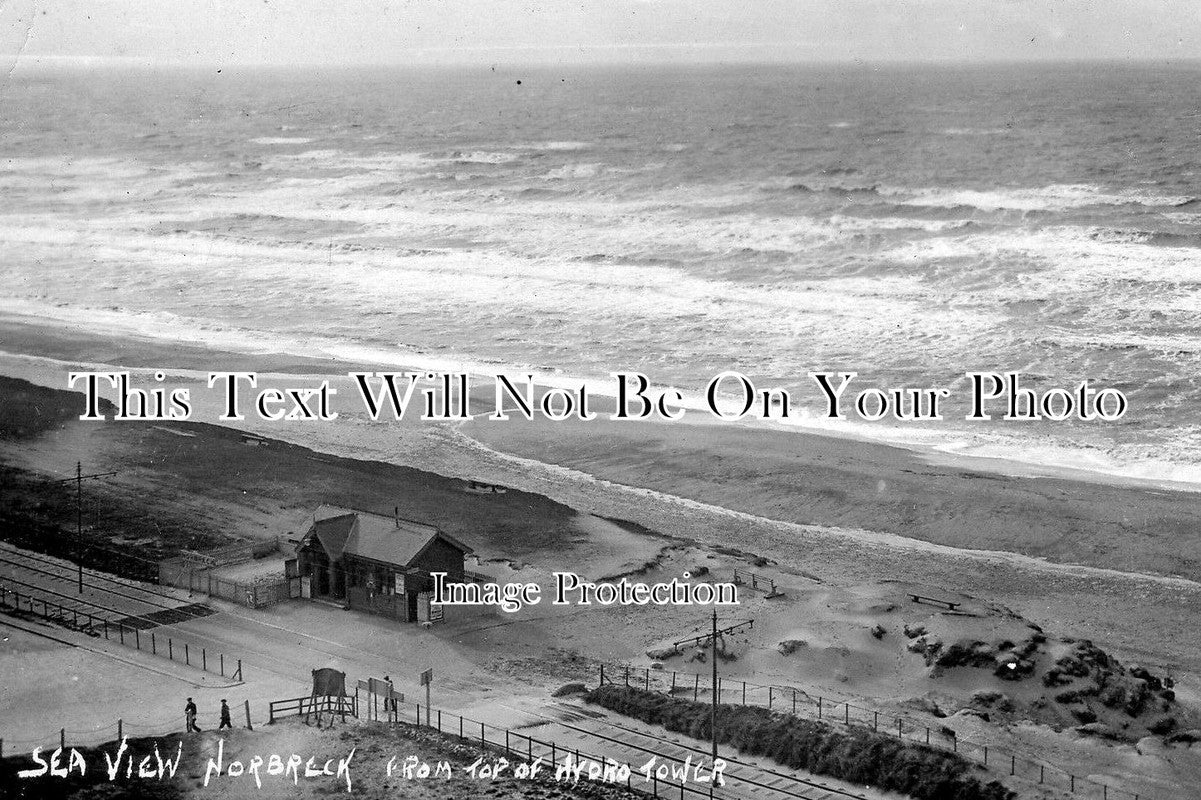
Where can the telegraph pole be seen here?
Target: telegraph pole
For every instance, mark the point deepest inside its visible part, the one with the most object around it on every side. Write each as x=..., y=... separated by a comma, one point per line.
x=713, y=713
x=750, y=623
x=79, y=479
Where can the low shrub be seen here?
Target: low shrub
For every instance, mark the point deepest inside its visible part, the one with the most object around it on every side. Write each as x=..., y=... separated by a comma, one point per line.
x=853, y=754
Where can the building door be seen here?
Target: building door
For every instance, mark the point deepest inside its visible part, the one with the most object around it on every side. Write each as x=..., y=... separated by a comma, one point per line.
x=411, y=606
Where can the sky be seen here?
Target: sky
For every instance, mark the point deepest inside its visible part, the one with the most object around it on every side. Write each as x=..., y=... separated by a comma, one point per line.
x=348, y=32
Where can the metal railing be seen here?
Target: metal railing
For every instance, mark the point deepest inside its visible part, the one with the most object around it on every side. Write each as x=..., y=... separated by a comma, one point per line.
x=129, y=635
x=802, y=703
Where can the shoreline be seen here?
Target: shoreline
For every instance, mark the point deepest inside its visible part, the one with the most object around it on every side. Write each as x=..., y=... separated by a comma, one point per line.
x=113, y=347
x=801, y=477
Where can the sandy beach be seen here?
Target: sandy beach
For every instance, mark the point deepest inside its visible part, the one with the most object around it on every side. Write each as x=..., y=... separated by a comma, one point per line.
x=845, y=527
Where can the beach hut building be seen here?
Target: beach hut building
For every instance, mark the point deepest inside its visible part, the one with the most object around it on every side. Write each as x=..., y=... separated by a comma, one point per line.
x=374, y=562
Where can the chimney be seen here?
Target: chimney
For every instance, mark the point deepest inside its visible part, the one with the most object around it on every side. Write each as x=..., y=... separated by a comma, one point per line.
x=396, y=515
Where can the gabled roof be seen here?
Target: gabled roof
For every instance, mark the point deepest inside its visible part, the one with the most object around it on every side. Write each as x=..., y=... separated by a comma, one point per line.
x=391, y=540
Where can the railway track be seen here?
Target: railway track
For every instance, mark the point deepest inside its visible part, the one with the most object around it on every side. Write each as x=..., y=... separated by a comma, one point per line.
x=105, y=599
x=590, y=732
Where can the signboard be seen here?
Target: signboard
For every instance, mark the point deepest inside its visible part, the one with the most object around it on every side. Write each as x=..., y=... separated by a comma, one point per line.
x=429, y=610
x=427, y=677
x=400, y=583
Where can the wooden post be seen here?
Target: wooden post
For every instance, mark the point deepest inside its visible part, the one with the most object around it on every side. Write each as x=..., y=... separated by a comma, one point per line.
x=204, y=659
x=648, y=679
x=170, y=648
x=249, y=727
x=696, y=686
x=120, y=729
x=673, y=682
x=769, y=693
x=223, y=667
x=744, y=693
x=153, y=645
x=137, y=639
x=794, y=701
x=62, y=738
x=121, y=631
x=819, y=706
x=187, y=659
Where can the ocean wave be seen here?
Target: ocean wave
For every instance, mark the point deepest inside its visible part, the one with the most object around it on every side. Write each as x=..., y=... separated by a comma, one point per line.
x=976, y=131
x=1053, y=197
x=282, y=140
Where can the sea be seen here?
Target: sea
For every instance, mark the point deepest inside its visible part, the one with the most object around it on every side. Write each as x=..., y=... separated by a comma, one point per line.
x=908, y=223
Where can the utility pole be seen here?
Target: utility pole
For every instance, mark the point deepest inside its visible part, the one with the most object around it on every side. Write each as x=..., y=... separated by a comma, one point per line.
x=79, y=479
x=713, y=714
x=750, y=623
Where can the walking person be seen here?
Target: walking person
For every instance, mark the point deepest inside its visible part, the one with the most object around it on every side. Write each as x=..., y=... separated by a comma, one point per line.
x=225, y=723
x=189, y=712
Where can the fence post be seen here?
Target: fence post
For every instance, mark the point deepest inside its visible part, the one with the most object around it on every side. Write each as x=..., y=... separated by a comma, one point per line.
x=120, y=729
x=121, y=630
x=602, y=674
x=648, y=679
x=627, y=674
x=137, y=639
x=794, y=701
x=875, y=720
x=1041, y=772
x=170, y=648
x=506, y=741
x=187, y=659
x=846, y=714
x=106, y=629
x=986, y=755
x=62, y=738
x=1073, y=777
x=744, y=693
x=153, y=645
x=204, y=660
x=901, y=736
x=673, y=682
x=819, y=706
x=1013, y=765
x=222, y=657
x=481, y=727
x=239, y=672
x=696, y=686
x=249, y=727
x=769, y=694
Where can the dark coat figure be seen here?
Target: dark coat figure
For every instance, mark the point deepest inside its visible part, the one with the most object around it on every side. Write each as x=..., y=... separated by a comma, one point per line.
x=189, y=712
x=225, y=723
